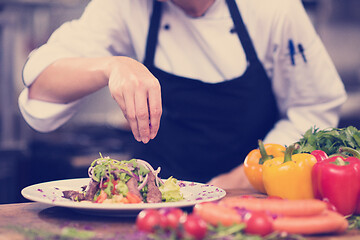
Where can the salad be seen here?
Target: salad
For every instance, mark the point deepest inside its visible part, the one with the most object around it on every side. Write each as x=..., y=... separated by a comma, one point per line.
x=125, y=181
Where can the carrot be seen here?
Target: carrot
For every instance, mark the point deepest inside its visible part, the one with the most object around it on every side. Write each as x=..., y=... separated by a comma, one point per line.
x=132, y=198
x=281, y=207
x=327, y=222
x=343, y=227
x=216, y=214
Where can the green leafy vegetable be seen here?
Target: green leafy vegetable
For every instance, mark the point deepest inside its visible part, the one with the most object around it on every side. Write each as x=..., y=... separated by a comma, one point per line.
x=67, y=233
x=329, y=140
x=122, y=188
x=223, y=231
x=170, y=190
x=104, y=167
x=354, y=222
x=73, y=233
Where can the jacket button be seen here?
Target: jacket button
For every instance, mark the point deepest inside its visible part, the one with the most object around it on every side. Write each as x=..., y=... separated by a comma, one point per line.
x=166, y=26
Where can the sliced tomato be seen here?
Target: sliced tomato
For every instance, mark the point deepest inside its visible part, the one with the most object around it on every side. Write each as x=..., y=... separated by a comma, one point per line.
x=113, y=190
x=102, y=197
x=105, y=185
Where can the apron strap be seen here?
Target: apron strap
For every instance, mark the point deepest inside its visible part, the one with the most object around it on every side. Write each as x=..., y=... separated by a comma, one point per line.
x=240, y=27
x=152, y=37
x=242, y=31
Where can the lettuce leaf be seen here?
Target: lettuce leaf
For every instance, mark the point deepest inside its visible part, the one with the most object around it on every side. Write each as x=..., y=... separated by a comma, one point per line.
x=170, y=190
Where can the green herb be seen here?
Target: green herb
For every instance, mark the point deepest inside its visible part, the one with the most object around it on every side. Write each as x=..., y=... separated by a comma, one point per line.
x=221, y=231
x=329, y=140
x=109, y=188
x=236, y=232
x=73, y=233
x=67, y=233
x=354, y=222
x=104, y=167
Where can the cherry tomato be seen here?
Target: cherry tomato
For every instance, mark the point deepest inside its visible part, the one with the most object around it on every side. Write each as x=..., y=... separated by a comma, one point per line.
x=258, y=223
x=194, y=226
x=148, y=220
x=170, y=217
x=105, y=184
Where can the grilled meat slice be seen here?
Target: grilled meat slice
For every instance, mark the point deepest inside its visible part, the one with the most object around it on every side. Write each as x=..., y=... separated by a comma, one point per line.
x=132, y=185
x=74, y=195
x=91, y=190
x=154, y=194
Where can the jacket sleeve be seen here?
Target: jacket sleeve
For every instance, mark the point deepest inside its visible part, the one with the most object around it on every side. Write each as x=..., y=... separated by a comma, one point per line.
x=100, y=31
x=309, y=91
x=44, y=116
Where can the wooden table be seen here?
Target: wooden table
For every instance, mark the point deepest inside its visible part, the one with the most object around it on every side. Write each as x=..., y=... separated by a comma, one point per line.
x=40, y=221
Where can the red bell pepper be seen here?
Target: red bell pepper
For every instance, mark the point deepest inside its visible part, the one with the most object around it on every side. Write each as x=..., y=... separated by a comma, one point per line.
x=337, y=180
x=319, y=155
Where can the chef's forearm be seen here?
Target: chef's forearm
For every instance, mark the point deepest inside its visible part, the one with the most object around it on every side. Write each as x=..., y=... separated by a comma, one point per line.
x=70, y=79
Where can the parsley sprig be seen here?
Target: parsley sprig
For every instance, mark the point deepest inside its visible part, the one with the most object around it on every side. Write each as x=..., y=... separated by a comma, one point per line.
x=354, y=222
x=329, y=140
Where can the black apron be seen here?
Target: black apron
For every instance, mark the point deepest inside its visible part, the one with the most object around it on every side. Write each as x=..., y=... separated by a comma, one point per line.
x=208, y=128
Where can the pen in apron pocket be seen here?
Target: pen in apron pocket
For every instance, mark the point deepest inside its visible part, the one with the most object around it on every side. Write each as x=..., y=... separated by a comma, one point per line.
x=302, y=51
x=292, y=52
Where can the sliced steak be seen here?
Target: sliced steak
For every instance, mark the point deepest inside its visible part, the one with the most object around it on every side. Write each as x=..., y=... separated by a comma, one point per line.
x=132, y=185
x=74, y=195
x=91, y=190
x=154, y=194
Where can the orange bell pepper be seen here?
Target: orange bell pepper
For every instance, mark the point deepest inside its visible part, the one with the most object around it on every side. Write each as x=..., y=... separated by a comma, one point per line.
x=253, y=163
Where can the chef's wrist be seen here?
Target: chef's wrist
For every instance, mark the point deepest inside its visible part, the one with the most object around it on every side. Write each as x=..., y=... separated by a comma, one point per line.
x=110, y=64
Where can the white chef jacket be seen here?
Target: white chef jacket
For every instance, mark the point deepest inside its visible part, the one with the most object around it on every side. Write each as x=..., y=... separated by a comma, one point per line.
x=309, y=93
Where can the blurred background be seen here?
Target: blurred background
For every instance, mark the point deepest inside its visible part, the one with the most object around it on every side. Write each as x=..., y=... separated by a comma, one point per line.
x=28, y=157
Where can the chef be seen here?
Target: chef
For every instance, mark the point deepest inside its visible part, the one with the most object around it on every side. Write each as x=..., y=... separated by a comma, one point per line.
x=199, y=82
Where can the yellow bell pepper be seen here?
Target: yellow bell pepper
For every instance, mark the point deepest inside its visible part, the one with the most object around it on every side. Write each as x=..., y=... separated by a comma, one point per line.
x=254, y=161
x=289, y=177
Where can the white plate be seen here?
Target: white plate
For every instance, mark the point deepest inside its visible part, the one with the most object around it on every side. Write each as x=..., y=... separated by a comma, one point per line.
x=51, y=193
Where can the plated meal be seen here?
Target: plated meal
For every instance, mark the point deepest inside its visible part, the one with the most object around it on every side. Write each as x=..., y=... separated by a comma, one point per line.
x=132, y=181
x=121, y=187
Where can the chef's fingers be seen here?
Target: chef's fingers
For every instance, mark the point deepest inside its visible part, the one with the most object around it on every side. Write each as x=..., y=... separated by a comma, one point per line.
x=119, y=98
x=155, y=106
x=130, y=113
x=142, y=114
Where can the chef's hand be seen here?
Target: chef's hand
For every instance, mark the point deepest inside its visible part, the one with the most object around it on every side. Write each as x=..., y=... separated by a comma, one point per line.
x=236, y=178
x=138, y=94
